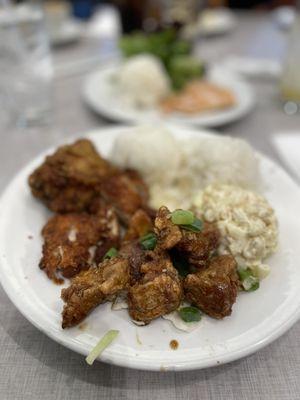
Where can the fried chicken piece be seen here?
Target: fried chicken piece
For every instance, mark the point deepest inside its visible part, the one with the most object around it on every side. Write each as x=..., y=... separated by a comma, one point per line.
x=125, y=194
x=169, y=235
x=139, y=225
x=93, y=287
x=158, y=292
x=196, y=247
x=69, y=241
x=68, y=180
x=214, y=290
x=76, y=176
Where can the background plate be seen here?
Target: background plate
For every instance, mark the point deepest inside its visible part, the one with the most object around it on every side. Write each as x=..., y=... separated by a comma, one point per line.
x=101, y=94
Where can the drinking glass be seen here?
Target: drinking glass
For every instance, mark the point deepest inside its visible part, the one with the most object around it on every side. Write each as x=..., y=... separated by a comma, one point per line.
x=290, y=80
x=25, y=63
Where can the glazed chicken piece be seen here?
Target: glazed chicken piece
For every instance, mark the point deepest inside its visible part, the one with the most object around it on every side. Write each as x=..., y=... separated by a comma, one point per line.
x=68, y=180
x=139, y=225
x=158, y=291
x=71, y=239
x=124, y=194
x=93, y=287
x=76, y=176
x=214, y=290
x=196, y=247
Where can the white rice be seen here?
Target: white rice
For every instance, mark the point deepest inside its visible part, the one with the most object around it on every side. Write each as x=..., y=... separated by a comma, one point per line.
x=176, y=170
x=143, y=81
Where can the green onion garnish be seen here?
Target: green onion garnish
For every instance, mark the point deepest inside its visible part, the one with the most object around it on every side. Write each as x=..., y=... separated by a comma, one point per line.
x=248, y=280
x=101, y=346
x=148, y=241
x=186, y=220
x=190, y=314
x=196, y=226
x=111, y=253
x=182, y=217
x=250, y=284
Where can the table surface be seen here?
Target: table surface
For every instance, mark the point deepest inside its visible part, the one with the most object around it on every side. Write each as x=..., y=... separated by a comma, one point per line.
x=35, y=367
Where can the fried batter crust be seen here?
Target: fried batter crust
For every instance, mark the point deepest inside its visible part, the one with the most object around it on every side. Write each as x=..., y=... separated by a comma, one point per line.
x=93, y=287
x=158, y=292
x=196, y=247
x=214, y=290
x=75, y=176
x=69, y=240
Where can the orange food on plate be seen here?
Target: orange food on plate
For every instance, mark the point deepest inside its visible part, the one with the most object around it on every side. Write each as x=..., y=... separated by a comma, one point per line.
x=198, y=96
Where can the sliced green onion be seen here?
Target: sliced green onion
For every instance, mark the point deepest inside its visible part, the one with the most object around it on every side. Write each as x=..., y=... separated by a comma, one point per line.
x=196, y=226
x=250, y=284
x=148, y=241
x=190, y=314
x=248, y=280
x=243, y=273
x=111, y=253
x=182, y=217
x=101, y=346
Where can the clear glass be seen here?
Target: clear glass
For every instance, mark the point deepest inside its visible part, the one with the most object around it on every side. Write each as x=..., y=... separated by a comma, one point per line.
x=25, y=63
x=290, y=81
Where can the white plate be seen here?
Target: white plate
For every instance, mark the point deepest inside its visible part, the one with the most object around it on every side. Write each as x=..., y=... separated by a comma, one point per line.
x=258, y=318
x=101, y=93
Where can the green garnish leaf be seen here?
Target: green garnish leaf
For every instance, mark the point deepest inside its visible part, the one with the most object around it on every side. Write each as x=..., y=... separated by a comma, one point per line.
x=190, y=314
x=111, y=253
x=101, y=346
x=250, y=284
x=148, y=241
x=182, y=217
x=248, y=280
x=196, y=226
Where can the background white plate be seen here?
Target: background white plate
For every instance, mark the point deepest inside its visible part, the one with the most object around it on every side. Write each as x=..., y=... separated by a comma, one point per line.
x=100, y=92
x=257, y=319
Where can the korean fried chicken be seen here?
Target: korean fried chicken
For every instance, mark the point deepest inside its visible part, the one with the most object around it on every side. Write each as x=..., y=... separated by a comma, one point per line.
x=196, y=247
x=71, y=239
x=75, y=176
x=93, y=287
x=139, y=225
x=67, y=180
x=158, y=291
x=214, y=289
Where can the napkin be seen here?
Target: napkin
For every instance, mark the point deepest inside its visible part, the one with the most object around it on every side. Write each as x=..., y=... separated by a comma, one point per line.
x=287, y=145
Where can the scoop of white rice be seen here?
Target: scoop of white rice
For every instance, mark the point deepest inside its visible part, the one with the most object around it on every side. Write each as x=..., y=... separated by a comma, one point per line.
x=221, y=159
x=176, y=170
x=143, y=81
x=154, y=152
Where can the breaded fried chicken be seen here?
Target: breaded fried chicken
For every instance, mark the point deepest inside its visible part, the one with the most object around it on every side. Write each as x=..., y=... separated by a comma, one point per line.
x=196, y=247
x=67, y=180
x=71, y=239
x=214, y=290
x=93, y=287
x=158, y=291
x=75, y=176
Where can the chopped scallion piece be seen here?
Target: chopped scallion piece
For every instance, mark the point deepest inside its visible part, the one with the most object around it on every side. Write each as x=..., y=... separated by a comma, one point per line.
x=196, y=226
x=101, y=346
x=111, y=253
x=182, y=217
x=250, y=284
x=148, y=241
x=190, y=314
x=248, y=280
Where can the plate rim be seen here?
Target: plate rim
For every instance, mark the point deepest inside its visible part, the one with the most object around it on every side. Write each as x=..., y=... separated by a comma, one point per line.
x=126, y=361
